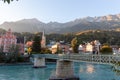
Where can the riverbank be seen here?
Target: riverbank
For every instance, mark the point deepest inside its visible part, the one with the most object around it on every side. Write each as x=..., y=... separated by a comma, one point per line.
x=23, y=63
x=11, y=64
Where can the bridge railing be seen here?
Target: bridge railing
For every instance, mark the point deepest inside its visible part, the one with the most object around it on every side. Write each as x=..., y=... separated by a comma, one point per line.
x=97, y=58
x=85, y=57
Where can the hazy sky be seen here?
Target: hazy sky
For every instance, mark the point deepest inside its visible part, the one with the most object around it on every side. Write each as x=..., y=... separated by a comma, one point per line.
x=57, y=10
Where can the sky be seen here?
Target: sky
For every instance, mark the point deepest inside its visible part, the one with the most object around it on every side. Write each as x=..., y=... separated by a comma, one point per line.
x=57, y=10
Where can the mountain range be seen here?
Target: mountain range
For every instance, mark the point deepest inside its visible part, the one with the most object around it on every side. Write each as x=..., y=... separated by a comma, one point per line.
x=109, y=22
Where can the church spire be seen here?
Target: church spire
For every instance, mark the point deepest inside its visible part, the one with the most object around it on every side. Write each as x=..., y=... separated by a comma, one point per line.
x=43, y=34
x=43, y=41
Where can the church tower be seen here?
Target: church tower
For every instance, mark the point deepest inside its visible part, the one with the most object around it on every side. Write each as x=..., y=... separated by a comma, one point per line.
x=43, y=41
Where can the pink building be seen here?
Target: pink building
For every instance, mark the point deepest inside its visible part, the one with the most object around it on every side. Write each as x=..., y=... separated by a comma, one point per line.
x=7, y=39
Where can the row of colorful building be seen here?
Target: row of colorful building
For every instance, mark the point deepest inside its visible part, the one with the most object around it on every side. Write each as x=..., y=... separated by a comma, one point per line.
x=9, y=38
x=92, y=47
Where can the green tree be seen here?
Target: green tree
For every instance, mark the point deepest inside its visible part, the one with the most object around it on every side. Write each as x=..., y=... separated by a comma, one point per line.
x=8, y=1
x=36, y=47
x=106, y=49
x=1, y=54
x=74, y=44
x=46, y=51
x=1, y=49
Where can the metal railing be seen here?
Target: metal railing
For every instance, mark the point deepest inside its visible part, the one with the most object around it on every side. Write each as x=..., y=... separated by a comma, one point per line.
x=107, y=59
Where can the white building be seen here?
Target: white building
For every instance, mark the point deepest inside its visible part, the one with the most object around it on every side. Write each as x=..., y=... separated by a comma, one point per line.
x=89, y=47
x=97, y=45
x=93, y=46
x=80, y=48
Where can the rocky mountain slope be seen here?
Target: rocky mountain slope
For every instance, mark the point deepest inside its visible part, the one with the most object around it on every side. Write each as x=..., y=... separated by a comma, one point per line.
x=109, y=22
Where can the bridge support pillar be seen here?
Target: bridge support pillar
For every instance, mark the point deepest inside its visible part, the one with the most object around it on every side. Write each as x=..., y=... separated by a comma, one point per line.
x=39, y=62
x=64, y=71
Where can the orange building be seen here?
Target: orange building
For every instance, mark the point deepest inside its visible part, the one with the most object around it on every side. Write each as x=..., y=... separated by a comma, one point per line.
x=29, y=43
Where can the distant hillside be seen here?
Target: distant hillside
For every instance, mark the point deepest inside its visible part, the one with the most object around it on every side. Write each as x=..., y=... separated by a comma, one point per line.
x=109, y=22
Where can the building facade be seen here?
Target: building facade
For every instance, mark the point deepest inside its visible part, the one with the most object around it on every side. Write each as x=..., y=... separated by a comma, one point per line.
x=93, y=47
x=7, y=40
x=59, y=48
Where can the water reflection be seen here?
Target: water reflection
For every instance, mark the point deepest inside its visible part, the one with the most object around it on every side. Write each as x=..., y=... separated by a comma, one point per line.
x=87, y=68
x=81, y=69
x=90, y=69
x=116, y=69
x=97, y=72
x=86, y=71
x=38, y=73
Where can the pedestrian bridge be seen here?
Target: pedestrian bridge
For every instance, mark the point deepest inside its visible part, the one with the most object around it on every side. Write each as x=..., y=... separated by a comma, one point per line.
x=101, y=59
x=65, y=67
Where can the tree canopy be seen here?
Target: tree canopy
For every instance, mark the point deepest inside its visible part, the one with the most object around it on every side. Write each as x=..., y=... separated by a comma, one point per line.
x=8, y=1
x=36, y=47
x=74, y=44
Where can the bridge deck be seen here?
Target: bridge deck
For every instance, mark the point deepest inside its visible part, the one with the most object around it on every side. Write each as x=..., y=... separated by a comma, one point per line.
x=107, y=59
